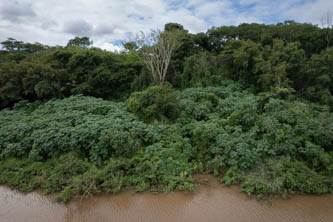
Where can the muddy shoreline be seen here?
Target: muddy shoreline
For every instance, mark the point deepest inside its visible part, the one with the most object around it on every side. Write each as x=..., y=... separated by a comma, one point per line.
x=210, y=202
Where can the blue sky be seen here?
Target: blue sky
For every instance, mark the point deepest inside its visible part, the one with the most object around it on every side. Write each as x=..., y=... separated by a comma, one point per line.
x=106, y=22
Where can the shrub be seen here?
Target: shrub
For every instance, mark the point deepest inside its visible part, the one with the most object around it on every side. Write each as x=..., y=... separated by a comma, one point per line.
x=83, y=145
x=157, y=103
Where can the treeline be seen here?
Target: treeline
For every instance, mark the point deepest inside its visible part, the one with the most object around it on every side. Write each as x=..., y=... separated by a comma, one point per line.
x=37, y=73
x=280, y=60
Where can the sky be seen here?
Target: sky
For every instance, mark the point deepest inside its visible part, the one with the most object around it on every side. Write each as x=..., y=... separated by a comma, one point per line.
x=108, y=22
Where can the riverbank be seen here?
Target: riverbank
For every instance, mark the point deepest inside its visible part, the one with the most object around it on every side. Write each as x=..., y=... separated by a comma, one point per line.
x=211, y=201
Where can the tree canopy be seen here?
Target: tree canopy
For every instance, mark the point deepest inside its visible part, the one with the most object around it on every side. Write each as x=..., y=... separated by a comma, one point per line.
x=81, y=42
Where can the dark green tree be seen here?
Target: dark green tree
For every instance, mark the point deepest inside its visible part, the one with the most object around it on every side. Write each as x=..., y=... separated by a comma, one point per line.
x=81, y=42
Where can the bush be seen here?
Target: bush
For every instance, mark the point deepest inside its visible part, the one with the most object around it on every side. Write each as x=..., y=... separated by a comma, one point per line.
x=157, y=103
x=83, y=145
x=276, y=176
x=78, y=123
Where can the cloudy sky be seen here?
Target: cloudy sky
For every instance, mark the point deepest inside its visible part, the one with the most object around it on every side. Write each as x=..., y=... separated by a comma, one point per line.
x=107, y=22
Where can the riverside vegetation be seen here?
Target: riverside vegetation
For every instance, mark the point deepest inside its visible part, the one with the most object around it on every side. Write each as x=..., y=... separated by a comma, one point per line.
x=250, y=104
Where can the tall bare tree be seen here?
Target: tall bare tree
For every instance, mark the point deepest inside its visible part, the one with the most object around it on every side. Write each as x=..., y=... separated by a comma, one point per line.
x=327, y=23
x=156, y=49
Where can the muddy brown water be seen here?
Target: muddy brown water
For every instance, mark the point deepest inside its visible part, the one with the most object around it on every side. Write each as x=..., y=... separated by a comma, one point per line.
x=211, y=202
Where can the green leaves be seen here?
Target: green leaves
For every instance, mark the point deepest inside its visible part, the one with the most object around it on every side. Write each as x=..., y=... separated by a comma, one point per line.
x=283, y=175
x=61, y=72
x=201, y=69
x=83, y=145
x=157, y=103
x=60, y=126
x=270, y=143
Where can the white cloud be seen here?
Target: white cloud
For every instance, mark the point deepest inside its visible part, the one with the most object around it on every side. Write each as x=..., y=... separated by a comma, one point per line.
x=212, y=9
x=78, y=27
x=310, y=12
x=108, y=46
x=54, y=22
x=12, y=11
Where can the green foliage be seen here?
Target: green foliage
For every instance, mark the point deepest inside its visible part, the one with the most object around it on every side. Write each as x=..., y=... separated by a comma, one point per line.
x=24, y=175
x=82, y=42
x=123, y=139
x=99, y=73
x=60, y=72
x=200, y=103
x=319, y=73
x=157, y=103
x=246, y=121
x=130, y=46
x=10, y=84
x=277, y=60
x=62, y=172
x=201, y=70
x=276, y=176
x=74, y=124
x=238, y=133
x=13, y=45
x=82, y=145
x=90, y=145
x=311, y=37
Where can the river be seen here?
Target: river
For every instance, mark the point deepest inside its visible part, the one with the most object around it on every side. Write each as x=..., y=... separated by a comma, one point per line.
x=210, y=202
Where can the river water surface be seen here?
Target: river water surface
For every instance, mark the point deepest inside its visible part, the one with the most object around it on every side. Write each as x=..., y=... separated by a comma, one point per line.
x=211, y=202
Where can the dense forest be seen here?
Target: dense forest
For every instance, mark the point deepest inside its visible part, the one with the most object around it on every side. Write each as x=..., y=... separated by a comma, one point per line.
x=250, y=104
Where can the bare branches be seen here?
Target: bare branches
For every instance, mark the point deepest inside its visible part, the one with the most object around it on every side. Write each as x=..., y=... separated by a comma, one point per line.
x=327, y=23
x=156, y=49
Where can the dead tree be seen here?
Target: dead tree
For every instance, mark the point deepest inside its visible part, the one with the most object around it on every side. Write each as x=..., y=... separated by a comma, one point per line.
x=156, y=49
x=327, y=24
